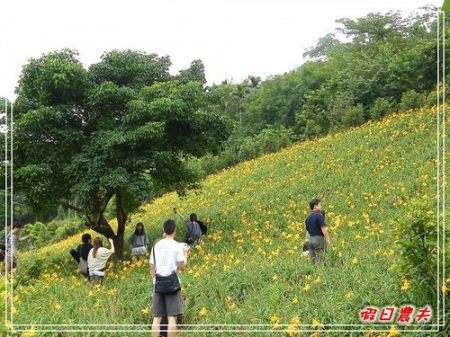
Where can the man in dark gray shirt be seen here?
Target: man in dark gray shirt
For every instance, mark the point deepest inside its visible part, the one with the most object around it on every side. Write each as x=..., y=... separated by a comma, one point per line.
x=317, y=230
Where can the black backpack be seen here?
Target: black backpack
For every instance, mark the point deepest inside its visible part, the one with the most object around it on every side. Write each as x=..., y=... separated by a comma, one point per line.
x=75, y=255
x=203, y=227
x=2, y=252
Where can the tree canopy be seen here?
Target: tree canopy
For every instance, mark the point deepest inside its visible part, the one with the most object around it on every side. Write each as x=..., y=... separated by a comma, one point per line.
x=368, y=67
x=128, y=104
x=372, y=57
x=114, y=133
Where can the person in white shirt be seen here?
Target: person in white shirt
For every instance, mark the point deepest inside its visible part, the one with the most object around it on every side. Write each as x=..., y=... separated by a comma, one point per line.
x=97, y=259
x=167, y=256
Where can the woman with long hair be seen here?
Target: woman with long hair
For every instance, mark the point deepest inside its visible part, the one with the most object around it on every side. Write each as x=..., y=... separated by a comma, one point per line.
x=138, y=242
x=97, y=259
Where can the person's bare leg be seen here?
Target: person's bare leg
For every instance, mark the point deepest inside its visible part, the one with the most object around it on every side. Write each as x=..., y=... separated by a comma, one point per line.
x=156, y=326
x=171, y=326
x=8, y=264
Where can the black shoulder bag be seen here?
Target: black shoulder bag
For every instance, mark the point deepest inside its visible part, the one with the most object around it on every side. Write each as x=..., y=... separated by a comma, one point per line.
x=166, y=284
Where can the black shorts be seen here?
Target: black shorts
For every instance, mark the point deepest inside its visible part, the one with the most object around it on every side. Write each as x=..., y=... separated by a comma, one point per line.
x=167, y=304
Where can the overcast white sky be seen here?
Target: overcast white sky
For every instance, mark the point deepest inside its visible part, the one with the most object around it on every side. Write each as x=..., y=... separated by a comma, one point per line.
x=233, y=38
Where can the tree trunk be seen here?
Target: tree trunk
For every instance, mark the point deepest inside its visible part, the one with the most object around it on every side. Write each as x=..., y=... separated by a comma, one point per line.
x=122, y=217
x=98, y=222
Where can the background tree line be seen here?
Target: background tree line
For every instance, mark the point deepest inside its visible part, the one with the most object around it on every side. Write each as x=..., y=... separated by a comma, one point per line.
x=102, y=141
x=366, y=69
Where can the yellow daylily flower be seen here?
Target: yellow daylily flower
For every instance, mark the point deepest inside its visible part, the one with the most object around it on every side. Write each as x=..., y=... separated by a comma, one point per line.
x=406, y=285
x=274, y=319
x=30, y=333
x=315, y=323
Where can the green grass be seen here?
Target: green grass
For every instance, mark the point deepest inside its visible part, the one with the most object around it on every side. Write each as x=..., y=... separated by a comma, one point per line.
x=250, y=271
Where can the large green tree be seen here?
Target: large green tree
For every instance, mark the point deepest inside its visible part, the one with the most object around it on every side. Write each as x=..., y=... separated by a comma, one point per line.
x=112, y=134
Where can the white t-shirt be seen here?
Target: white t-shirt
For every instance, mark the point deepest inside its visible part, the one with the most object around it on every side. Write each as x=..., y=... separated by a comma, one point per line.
x=168, y=253
x=98, y=262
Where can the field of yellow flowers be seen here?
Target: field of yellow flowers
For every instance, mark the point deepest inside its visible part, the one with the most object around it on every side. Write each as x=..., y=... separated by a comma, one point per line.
x=249, y=276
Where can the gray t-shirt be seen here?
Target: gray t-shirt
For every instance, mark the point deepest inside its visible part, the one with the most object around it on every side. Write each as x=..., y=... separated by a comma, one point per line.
x=193, y=230
x=11, y=240
x=138, y=240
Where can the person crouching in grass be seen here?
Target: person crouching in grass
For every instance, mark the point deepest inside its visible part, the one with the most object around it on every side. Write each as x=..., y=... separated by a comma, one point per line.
x=97, y=259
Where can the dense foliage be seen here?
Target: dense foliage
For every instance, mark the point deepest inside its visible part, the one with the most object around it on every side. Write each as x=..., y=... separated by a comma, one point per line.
x=116, y=134
x=105, y=140
x=249, y=271
x=367, y=68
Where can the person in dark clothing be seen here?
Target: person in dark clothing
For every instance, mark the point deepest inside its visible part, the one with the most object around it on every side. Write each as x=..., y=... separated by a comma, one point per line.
x=194, y=231
x=317, y=232
x=83, y=252
x=305, y=245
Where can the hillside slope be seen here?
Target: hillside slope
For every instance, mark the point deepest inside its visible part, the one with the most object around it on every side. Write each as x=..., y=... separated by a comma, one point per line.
x=250, y=271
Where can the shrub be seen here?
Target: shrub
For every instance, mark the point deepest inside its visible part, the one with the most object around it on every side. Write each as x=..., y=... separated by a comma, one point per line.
x=35, y=267
x=229, y=157
x=317, y=126
x=411, y=100
x=46, y=234
x=354, y=116
x=249, y=149
x=337, y=112
x=380, y=109
x=417, y=245
x=272, y=140
x=69, y=228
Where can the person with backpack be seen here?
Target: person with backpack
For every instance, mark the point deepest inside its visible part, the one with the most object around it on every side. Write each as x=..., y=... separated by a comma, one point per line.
x=81, y=254
x=138, y=242
x=167, y=257
x=83, y=251
x=194, y=231
x=12, y=240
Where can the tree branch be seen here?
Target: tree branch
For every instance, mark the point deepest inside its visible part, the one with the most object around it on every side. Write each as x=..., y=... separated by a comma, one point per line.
x=67, y=205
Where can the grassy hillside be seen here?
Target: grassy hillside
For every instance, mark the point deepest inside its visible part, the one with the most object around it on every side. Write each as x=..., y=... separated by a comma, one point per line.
x=249, y=274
